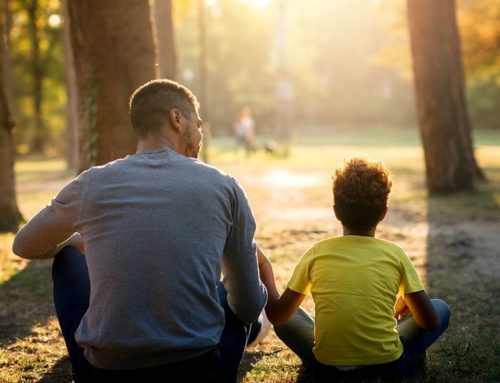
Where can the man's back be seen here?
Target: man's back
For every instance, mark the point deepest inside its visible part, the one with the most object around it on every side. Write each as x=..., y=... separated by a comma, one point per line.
x=155, y=227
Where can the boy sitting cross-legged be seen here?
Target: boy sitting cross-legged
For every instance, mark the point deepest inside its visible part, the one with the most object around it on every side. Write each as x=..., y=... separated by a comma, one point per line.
x=360, y=325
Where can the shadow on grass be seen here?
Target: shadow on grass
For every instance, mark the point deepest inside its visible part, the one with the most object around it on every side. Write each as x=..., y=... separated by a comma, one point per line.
x=462, y=268
x=27, y=302
x=60, y=372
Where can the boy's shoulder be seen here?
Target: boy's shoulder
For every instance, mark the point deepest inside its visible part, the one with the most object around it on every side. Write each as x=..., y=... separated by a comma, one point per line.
x=388, y=244
x=354, y=241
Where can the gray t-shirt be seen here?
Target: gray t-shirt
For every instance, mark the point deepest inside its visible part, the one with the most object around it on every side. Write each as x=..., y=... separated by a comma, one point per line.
x=158, y=229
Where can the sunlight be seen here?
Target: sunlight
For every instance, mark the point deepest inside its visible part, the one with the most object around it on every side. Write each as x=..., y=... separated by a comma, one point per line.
x=55, y=21
x=281, y=178
x=256, y=3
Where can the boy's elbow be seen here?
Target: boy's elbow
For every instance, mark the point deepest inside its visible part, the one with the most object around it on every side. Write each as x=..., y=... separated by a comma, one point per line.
x=434, y=324
x=430, y=324
x=274, y=318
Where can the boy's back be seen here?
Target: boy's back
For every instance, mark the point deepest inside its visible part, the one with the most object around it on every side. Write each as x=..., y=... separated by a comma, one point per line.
x=354, y=281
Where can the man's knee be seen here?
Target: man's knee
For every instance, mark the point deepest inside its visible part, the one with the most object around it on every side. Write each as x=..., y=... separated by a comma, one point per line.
x=69, y=263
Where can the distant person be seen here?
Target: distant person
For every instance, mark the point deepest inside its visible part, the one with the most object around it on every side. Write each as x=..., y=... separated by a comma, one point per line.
x=360, y=324
x=139, y=246
x=244, y=129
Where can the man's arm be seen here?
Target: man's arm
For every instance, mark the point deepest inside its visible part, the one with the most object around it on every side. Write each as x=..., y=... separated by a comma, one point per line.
x=278, y=308
x=52, y=226
x=246, y=295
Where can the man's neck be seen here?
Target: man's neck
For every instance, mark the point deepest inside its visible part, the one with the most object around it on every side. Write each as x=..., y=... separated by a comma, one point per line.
x=156, y=142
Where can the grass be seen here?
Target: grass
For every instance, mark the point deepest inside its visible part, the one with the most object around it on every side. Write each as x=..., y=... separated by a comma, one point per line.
x=453, y=240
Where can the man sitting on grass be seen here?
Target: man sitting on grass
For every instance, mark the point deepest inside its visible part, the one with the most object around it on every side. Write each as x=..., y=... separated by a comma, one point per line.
x=360, y=325
x=144, y=302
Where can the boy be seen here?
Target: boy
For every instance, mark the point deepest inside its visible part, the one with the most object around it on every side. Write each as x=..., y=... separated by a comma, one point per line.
x=355, y=280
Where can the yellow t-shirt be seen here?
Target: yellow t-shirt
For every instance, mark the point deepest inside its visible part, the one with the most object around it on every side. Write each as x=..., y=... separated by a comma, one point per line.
x=354, y=281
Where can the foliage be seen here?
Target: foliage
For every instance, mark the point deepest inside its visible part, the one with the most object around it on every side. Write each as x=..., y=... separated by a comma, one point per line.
x=348, y=62
x=479, y=22
x=479, y=28
x=328, y=56
x=52, y=67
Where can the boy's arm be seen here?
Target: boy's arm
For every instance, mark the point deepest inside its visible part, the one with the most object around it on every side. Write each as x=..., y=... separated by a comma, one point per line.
x=423, y=311
x=278, y=308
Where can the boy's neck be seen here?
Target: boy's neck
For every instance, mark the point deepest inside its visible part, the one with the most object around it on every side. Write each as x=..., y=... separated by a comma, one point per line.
x=363, y=233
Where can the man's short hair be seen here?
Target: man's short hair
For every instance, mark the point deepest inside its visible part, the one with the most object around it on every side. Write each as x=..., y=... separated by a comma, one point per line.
x=151, y=103
x=361, y=190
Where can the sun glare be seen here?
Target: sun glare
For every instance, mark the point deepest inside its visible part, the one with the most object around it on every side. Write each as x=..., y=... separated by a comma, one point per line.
x=256, y=3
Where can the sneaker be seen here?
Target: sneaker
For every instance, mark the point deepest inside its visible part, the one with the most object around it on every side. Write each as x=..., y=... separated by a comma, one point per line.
x=265, y=328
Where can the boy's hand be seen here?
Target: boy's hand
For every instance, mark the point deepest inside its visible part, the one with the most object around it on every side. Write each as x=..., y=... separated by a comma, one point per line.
x=401, y=310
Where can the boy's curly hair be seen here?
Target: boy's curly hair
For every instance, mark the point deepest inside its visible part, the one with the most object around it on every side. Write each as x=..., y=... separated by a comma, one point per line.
x=361, y=189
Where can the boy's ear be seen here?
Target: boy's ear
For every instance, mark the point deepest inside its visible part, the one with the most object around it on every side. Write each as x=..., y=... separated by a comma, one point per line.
x=335, y=211
x=382, y=215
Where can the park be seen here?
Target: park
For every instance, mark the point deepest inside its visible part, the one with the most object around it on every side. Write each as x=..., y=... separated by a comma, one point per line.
x=444, y=207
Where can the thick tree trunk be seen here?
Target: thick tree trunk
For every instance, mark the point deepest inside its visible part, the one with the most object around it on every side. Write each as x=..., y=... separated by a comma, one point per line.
x=10, y=217
x=72, y=95
x=114, y=53
x=165, y=39
x=439, y=84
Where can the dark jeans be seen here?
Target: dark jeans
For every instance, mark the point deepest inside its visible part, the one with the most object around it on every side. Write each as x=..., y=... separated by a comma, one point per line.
x=71, y=300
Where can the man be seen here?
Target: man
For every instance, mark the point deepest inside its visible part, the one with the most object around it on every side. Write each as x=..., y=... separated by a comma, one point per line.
x=157, y=229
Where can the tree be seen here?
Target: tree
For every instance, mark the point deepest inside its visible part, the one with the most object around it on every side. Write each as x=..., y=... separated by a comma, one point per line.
x=165, y=39
x=114, y=53
x=439, y=84
x=72, y=95
x=10, y=217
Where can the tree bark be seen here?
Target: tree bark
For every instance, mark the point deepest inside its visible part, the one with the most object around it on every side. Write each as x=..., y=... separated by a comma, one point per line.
x=10, y=216
x=444, y=124
x=165, y=39
x=114, y=53
x=72, y=95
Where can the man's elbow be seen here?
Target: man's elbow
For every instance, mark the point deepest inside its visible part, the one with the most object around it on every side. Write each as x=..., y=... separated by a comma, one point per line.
x=17, y=247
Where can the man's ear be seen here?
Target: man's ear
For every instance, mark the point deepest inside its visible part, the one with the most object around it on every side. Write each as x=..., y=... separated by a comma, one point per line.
x=382, y=215
x=175, y=119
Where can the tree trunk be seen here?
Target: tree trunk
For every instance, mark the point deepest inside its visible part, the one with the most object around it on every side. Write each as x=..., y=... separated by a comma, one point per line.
x=114, y=53
x=439, y=84
x=10, y=217
x=165, y=39
x=39, y=134
x=72, y=95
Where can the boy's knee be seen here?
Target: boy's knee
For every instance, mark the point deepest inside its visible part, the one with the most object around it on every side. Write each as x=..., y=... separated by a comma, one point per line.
x=443, y=311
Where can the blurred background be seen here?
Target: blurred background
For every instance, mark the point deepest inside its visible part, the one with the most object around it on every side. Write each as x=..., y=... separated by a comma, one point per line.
x=304, y=67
